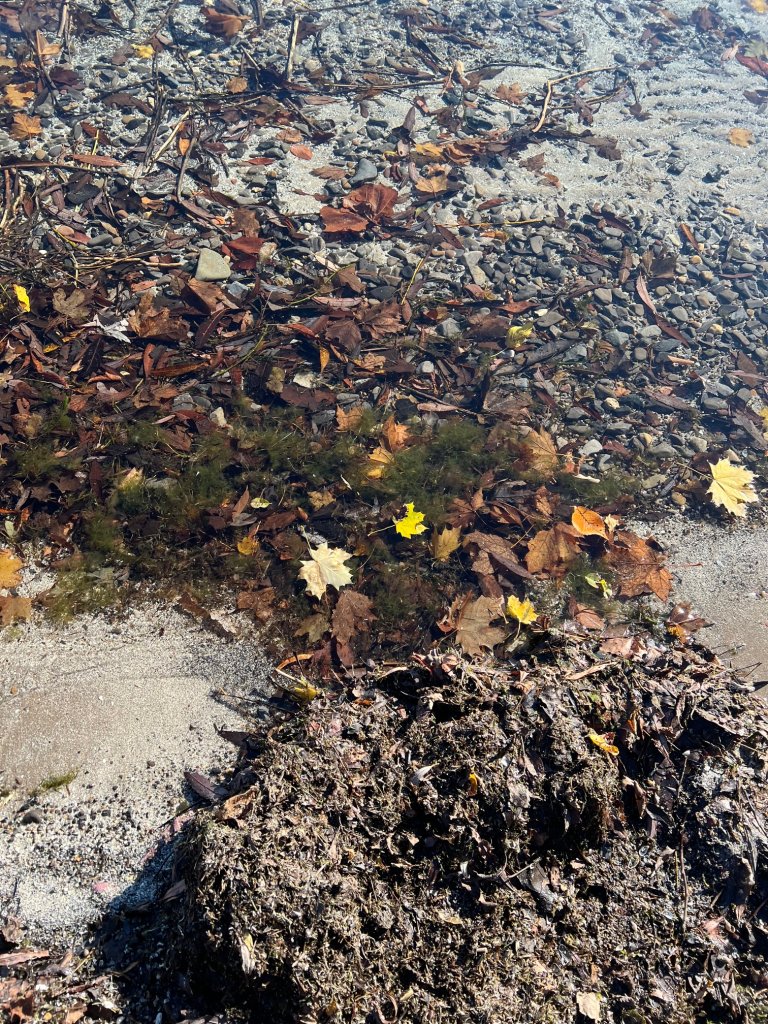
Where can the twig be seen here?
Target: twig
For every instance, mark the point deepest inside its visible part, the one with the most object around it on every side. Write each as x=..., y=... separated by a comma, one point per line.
x=556, y=81
x=292, y=46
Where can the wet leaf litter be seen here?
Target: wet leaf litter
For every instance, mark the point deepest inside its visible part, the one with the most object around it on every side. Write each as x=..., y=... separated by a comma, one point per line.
x=386, y=410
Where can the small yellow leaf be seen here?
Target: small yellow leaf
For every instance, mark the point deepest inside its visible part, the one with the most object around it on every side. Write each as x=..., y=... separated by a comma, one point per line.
x=474, y=782
x=731, y=487
x=300, y=689
x=247, y=546
x=445, y=543
x=143, y=51
x=22, y=297
x=523, y=611
x=411, y=523
x=325, y=357
x=758, y=6
x=740, y=137
x=9, y=569
x=259, y=503
x=604, y=743
x=517, y=335
x=19, y=95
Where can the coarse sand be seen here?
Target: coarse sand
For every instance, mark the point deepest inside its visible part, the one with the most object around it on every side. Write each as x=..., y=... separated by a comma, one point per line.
x=126, y=707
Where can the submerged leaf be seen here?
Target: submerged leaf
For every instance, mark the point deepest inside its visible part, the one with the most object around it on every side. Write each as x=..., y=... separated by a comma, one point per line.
x=22, y=297
x=604, y=743
x=731, y=487
x=523, y=611
x=411, y=523
x=325, y=568
x=443, y=544
x=9, y=570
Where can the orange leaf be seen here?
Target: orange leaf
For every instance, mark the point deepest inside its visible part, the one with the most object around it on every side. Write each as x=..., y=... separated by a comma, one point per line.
x=302, y=152
x=227, y=25
x=588, y=523
x=19, y=95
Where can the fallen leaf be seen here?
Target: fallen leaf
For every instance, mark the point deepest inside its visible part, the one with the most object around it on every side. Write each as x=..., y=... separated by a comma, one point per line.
x=9, y=569
x=589, y=1002
x=517, y=335
x=237, y=85
x=731, y=487
x=639, y=567
x=758, y=6
x=740, y=137
x=248, y=546
x=552, y=550
x=511, y=93
x=302, y=152
x=325, y=568
x=411, y=524
x=523, y=611
x=539, y=451
x=380, y=458
x=588, y=523
x=395, y=434
x=474, y=631
x=25, y=127
x=352, y=614
x=227, y=25
x=15, y=609
x=443, y=544
x=337, y=221
x=19, y=95
x=22, y=297
x=143, y=50
x=605, y=745
x=431, y=186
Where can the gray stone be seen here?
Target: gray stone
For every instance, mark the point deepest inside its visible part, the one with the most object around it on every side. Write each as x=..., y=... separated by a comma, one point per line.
x=680, y=313
x=592, y=447
x=651, y=331
x=211, y=266
x=604, y=295
x=663, y=451
x=449, y=328
x=366, y=171
x=426, y=367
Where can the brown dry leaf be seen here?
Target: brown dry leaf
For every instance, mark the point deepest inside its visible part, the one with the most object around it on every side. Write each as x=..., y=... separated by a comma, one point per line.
x=474, y=631
x=219, y=24
x=353, y=614
x=588, y=523
x=149, y=322
x=374, y=201
x=380, y=458
x=511, y=93
x=257, y=602
x=25, y=127
x=19, y=95
x=639, y=566
x=395, y=434
x=300, y=151
x=553, y=550
x=443, y=544
x=9, y=569
x=431, y=186
x=73, y=307
x=740, y=137
x=539, y=451
x=15, y=609
x=349, y=420
x=237, y=85
x=338, y=221
x=586, y=616
x=328, y=173
x=490, y=552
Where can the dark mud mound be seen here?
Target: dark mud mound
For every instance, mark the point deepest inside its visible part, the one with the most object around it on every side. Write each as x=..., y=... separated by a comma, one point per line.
x=454, y=846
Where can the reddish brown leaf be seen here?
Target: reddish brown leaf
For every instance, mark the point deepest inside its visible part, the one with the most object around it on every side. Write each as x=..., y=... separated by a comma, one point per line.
x=353, y=614
x=553, y=550
x=639, y=566
x=338, y=221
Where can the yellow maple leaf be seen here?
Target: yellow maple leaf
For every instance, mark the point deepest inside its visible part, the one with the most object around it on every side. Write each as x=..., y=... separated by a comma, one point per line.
x=411, y=523
x=731, y=487
x=325, y=568
x=143, y=51
x=445, y=543
x=523, y=611
x=517, y=335
x=9, y=569
x=22, y=297
x=603, y=743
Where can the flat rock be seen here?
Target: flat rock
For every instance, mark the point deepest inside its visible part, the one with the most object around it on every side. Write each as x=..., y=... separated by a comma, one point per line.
x=211, y=266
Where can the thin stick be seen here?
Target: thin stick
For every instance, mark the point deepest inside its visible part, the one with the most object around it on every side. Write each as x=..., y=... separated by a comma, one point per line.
x=556, y=81
x=292, y=46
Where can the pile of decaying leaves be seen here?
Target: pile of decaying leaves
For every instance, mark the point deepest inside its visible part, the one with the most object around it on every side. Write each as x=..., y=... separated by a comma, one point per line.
x=568, y=840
